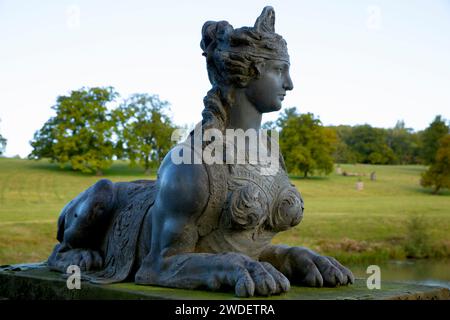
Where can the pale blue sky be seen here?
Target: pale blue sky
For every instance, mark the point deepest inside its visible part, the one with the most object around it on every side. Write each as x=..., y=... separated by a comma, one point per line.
x=352, y=62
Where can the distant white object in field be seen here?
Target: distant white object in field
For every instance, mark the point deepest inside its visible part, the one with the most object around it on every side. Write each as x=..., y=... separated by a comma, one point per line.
x=359, y=185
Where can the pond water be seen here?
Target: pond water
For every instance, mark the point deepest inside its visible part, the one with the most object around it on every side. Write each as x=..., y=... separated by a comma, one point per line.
x=426, y=272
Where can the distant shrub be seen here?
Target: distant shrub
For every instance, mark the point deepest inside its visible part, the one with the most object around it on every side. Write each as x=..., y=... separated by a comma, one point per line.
x=417, y=243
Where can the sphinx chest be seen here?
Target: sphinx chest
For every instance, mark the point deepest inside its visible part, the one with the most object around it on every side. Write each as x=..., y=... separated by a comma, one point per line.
x=253, y=208
x=259, y=201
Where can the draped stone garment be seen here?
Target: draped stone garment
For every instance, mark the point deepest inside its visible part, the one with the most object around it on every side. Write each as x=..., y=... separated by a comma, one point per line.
x=121, y=245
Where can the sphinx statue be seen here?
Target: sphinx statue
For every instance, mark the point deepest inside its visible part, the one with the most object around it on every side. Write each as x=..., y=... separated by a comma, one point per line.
x=203, y=225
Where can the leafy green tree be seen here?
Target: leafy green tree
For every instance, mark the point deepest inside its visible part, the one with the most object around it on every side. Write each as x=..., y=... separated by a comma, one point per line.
x=370, y=145
x=144, y=130
x=306, y=145
x=438, y=175
x=343, y=152
x=2, y=144
x=398, y=145
x=431, y=137
x=81, y=132
x=44, y=140
x=404, y=143
x=287, y=114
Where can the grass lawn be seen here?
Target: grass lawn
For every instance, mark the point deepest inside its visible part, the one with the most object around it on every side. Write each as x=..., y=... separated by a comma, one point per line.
x=371, y=224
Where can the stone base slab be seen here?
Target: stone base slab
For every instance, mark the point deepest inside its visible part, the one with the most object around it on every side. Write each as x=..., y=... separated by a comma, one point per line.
x=37, y=282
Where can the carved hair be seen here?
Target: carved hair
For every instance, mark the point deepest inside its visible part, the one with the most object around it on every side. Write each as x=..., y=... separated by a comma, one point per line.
x=231, y=56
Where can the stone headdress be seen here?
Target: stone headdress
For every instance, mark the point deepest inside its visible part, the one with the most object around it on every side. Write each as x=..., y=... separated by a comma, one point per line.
x=258, y=41
x=231, y=55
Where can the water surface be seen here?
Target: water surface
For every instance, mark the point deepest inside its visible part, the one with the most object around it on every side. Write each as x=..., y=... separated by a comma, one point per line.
x=426, y=272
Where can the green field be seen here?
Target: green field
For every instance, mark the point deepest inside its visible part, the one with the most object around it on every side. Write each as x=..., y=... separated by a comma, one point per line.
x=355, y=226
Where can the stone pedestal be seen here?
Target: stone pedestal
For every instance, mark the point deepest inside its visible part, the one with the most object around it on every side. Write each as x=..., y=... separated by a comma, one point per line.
x=37, y=282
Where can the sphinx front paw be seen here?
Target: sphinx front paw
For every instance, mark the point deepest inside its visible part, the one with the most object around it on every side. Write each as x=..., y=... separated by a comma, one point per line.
x=313, y=270
x=86, y=259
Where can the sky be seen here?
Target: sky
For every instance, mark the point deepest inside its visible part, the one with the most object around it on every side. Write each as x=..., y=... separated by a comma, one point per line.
x=352, y=62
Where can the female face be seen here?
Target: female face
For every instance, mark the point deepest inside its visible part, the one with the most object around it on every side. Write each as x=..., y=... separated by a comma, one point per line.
x=269, y=89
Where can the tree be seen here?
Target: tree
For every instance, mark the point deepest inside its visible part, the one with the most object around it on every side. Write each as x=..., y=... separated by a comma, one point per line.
x=343, y=152
x=431, y=137
x=144, y=130
x=370, y=145
x=80, y=133
x=365, y=144
x=438, y=175
x=44, y=140
x=404, y=143
x=2, y=144
x=287, y=114
x=306, y=145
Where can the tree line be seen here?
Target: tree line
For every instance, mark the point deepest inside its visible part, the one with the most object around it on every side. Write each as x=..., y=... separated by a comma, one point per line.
x=88, y=132
x=397, y=145
x=2, y=143
x=310, y=147
x=92, y=127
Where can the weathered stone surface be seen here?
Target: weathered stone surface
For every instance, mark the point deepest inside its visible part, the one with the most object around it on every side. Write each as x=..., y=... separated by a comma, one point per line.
x=37, y=282
x=205, y=223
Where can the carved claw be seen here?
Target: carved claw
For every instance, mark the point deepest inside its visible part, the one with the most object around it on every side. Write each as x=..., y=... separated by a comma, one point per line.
x=257, y=278
x=313, y=270
x=86, y=259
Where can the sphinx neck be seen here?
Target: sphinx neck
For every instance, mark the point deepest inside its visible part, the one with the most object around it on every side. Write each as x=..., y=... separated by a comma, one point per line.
x=243, y=114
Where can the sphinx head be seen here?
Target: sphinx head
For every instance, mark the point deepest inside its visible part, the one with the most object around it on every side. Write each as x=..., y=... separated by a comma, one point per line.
x=254, y=58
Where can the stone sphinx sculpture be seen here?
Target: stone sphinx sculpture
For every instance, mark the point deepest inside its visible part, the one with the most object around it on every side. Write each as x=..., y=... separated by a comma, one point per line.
x=202, y=225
